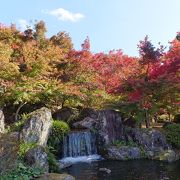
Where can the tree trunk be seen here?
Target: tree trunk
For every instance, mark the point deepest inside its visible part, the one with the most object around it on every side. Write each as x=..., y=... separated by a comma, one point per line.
x=17, y=112
x=155, y=118
x=147, y=119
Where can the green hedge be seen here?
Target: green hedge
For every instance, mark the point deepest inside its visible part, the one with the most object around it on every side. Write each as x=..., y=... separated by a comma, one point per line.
x=172, y=132
x=58, y=131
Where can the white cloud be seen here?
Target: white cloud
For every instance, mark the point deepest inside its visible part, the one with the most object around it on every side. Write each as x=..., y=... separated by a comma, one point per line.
x=65, y=15
x=23, y=24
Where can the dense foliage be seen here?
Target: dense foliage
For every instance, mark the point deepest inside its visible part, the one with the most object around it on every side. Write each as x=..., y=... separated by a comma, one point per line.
x=172, y=132
x=49, y=71
x=22, y=171
x=58, y=131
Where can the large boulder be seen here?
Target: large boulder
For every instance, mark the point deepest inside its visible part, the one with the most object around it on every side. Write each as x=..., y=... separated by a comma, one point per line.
x=154, y=144
x=1, y=121
x=123, y=153
x=86, y=123
x=66, y=114
x=168, y=156
x=109, y=127
x=55, y=176
x=37, y=157
x=149, y=143
x=106, y=123
x=153, y=141
x=37, y=127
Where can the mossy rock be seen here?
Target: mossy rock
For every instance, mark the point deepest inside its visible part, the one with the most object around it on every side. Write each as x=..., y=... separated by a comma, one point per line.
x=9, y=146
x=168, y=156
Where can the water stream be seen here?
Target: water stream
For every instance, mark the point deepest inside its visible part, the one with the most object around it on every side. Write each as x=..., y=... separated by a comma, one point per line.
x=79, y=146
x=79, y=150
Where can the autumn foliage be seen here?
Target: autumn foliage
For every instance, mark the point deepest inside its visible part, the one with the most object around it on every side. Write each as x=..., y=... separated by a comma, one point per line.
x=36, y=69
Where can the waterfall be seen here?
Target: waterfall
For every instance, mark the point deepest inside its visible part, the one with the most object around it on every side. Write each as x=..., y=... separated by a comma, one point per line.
x=79, y=146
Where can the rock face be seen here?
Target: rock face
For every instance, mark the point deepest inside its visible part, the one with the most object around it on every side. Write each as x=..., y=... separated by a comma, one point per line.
x=37, y=127
x=107, y=124
x=86, y=123
x=54, y=176
x=36, y=130
x=153, y=141
x=1, y=121
x=66, y=114
x=168, y=155
x=109, y=127
x=150, y=144
x=9, y=146
x=123, y=153
x=37, y=157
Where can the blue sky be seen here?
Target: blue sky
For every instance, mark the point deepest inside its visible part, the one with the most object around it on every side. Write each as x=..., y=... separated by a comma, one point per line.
x=110, y=24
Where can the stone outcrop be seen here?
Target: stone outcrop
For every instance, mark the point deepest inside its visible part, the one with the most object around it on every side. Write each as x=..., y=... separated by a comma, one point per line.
x=150, y=139
x=109, y=127
x=1, y=121
x=66, y=114
x=123, y=153
x=36, y=130
x=150, y=143
x=106, y=123
x=37, y=127
x=168, y=156
x=86, y=123
x=37, y=157
x=55, y=176
x=153, y=141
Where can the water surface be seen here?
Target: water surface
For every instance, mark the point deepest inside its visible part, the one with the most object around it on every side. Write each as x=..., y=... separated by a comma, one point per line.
x=126, y=170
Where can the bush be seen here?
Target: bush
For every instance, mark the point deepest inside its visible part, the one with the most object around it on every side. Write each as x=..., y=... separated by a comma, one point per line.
x=53, y=163
x=17, y=126
x=58, y=131
x=172, y=132
x=22, y=172
x=177, y=118
x=24, y=147
x=120, y=143
x=130, y=143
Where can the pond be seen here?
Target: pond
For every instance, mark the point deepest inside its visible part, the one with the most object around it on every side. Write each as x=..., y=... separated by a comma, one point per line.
x=126, y=170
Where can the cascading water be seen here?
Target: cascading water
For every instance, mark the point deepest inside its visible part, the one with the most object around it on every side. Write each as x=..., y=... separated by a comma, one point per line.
x=79, y=146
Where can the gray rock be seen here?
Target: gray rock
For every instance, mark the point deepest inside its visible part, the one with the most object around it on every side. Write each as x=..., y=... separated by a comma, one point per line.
x=108, y=171
x=168, y=156
x=66, y=114
x=86, y=123
x=106, y=124
x=123, y=153
x=37, y=127
x=55, y=176
x=109, y=127
x=152, y=140
x=1, y=122
x=37, y=157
